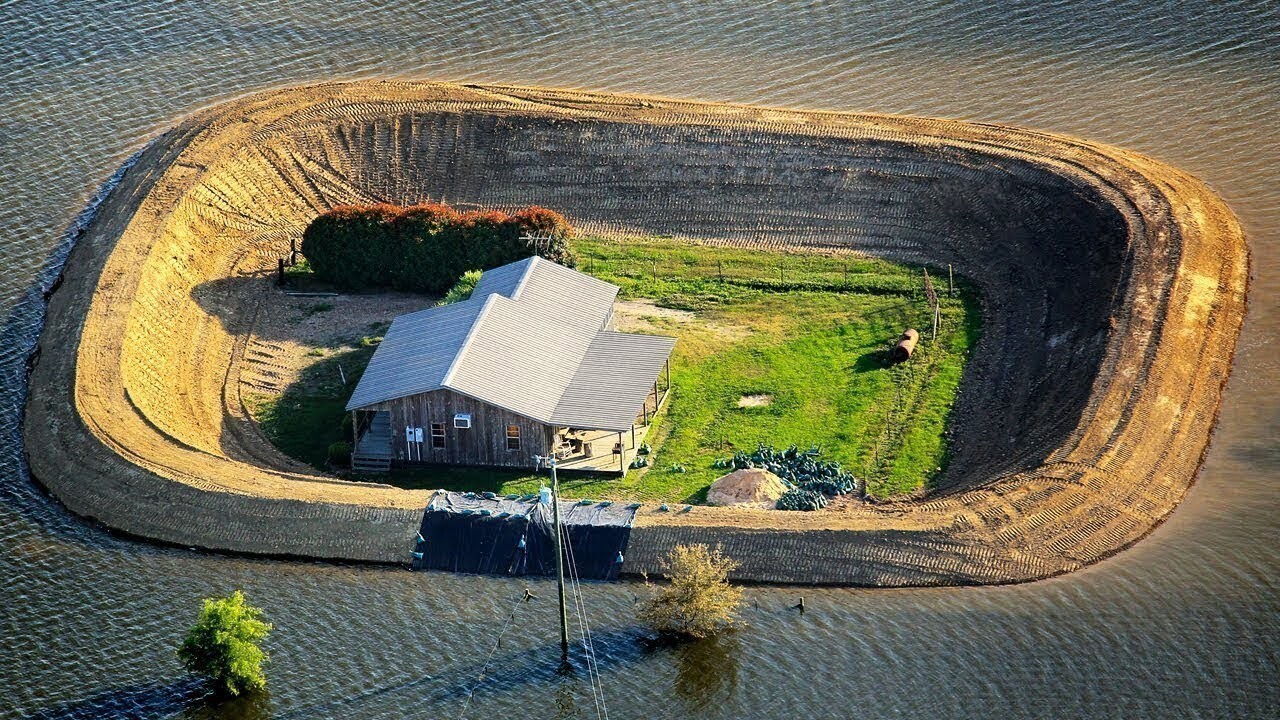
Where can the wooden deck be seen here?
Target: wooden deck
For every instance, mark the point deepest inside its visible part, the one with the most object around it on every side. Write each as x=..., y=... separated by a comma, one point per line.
x=601, y=457
x=601, y=442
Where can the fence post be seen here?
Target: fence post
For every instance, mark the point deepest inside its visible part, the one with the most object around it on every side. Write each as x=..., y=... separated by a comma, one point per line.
x=280, y=273
x=951, y=282
x=720, y=267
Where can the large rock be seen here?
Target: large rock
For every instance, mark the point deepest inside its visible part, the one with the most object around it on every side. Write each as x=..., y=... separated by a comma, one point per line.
x=749, y=486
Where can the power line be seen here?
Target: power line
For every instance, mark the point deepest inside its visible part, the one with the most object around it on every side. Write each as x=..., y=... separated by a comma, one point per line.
x=496, y=644
x=557, y=541
x=589, y=649
x=596, y=695
x=588, y=642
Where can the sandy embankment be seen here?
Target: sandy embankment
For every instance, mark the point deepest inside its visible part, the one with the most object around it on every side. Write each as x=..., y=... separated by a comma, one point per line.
x=1115, y=288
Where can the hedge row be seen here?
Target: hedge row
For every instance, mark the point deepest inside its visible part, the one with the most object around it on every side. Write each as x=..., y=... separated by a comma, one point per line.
x=425, y=248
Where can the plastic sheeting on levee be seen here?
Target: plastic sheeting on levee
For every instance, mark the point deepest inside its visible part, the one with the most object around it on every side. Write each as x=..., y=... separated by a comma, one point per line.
x=466, y=532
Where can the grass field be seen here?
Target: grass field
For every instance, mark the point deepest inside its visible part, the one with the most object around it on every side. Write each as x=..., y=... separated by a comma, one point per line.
x=772, y=347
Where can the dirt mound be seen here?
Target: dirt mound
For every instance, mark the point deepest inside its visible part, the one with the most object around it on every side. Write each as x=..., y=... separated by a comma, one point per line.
x=1114, y=288
x=749, y=486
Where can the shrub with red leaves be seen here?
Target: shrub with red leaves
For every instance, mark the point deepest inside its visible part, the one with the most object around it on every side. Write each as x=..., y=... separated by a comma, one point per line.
x=426, y=247
x=350, y=246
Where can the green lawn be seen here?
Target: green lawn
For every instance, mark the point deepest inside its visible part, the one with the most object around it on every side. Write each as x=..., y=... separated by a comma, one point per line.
x=809, y=331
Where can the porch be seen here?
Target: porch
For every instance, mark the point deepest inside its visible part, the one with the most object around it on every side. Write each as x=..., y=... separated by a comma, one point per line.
x=608, y=451
x=603, y=451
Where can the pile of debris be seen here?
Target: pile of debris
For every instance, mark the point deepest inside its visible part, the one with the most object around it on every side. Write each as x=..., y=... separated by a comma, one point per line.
x=807, y=482
x=754, y=487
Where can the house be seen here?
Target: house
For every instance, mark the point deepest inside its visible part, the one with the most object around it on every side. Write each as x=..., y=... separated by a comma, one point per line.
x=528, y=366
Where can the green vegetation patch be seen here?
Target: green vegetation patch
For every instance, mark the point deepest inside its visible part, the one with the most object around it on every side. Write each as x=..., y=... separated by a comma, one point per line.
x=809, y=332
x=774, y=347
x=311, y=413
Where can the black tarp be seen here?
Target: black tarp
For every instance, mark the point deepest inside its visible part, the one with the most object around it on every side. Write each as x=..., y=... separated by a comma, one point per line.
x=466, y=532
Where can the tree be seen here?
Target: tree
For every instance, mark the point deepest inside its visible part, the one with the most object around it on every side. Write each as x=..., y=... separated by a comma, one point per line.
x=541, y=222
x=223, y=645
x=462, y=289
x=699, y=601
x=492, y=239
x=421, y=261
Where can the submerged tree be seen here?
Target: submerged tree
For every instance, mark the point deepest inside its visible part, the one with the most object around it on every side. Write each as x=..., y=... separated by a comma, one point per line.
x=699, y=601
x=223, y=645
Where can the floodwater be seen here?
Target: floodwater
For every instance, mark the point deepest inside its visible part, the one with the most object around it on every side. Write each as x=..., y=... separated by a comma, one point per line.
x=1185, y=624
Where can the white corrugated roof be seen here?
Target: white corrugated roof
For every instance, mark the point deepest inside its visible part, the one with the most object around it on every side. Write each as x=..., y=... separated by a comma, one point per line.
x=612, y=381
x=416, y=353
x=531, y=339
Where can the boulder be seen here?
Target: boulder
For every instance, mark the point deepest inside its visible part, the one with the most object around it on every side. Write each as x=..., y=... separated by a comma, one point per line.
x=749, y=486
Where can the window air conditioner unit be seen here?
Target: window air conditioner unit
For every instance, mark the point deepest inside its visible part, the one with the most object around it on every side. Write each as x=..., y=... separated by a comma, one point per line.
x=462, y=420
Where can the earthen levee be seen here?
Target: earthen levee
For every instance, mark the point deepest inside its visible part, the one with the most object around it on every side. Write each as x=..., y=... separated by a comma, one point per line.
x=1114, y=289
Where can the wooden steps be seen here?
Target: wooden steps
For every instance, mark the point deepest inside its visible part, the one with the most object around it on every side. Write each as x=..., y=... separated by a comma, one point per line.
x=370, y=463
x=372, y=453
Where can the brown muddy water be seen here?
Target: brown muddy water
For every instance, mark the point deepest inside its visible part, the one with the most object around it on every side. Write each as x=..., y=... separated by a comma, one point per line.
x=1185, y=624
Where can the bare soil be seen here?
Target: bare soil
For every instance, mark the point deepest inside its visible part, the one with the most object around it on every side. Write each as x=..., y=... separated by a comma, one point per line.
x=295, y=333
x=644, y=316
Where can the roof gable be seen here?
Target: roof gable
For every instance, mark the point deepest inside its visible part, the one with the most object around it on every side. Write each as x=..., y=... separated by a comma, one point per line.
x=572, y=298
x=416, y=353
x=504, y=280
x=519, y=359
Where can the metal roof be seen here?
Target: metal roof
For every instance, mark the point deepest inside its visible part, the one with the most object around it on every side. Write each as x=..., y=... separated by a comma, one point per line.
x=416, y=353
x=503, y=280
x=610, y=385
x=572, y=297
x=532, y=339
x=518, y=359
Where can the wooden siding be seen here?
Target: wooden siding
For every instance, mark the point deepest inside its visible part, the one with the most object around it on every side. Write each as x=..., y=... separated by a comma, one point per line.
x=484, y=443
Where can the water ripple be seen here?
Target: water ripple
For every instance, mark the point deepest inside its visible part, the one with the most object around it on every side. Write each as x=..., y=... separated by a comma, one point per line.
x=89, y=620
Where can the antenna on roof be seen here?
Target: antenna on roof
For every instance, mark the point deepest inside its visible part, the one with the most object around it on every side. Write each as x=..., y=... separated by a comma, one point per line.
x=541, y=242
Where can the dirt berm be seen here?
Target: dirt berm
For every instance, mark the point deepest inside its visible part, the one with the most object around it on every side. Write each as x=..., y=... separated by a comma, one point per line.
x=1114, y=289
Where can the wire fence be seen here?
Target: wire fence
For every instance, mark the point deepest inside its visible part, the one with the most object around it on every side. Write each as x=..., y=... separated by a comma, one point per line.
x=772, y=271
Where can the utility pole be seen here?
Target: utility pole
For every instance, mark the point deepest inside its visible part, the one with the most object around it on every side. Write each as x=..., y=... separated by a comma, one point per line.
x=555, y=542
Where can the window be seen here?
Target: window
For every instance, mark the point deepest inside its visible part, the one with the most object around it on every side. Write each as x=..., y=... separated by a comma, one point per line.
x=437, y=435
x=513, y=437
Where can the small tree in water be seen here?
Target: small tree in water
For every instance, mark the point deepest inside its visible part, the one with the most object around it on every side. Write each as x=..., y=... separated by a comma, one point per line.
x=223, y=644
x=699, y=601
